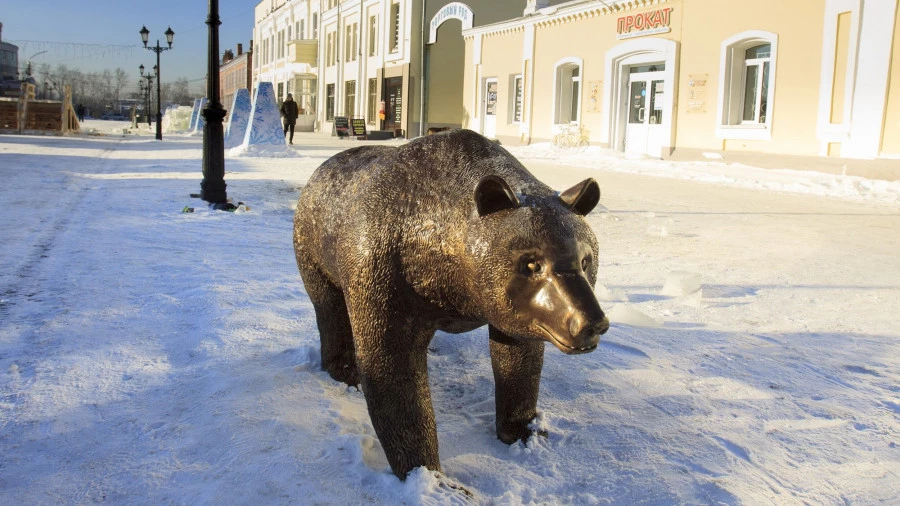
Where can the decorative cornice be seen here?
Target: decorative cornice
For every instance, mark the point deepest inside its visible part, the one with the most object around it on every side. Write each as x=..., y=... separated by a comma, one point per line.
x=560, y=14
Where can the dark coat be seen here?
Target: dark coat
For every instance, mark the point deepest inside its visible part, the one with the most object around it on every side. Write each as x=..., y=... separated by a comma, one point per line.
x=290, y=111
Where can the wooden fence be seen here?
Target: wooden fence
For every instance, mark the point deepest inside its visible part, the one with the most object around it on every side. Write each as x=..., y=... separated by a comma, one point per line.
x=26, y=115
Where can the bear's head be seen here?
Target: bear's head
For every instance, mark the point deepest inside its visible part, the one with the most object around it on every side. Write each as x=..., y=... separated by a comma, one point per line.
x=535, y=263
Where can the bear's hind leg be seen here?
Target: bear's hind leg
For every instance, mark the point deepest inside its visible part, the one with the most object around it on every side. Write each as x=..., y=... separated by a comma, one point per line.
x=517, y=368
x=335, y=334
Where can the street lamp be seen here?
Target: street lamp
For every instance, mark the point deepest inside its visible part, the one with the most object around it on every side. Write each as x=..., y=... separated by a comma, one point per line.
x=145, y=34
x=212, y=188
x=28, y=71
x=149, y=78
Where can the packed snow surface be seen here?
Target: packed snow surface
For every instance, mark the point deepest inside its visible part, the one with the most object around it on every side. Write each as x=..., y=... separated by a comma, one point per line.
x=154, y=356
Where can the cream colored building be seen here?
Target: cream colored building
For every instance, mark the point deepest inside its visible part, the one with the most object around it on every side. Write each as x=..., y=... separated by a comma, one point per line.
x=788, y=83
x=396, y=63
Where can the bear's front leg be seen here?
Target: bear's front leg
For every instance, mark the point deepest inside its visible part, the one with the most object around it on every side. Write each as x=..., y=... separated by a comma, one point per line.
x=517, y=367
x=392, y=360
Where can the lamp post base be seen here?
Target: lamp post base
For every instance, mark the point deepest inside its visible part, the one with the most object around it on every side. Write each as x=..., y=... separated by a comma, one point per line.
x=212, y=188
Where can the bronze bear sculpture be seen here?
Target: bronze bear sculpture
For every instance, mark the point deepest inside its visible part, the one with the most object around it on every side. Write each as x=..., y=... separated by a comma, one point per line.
x=447, y=232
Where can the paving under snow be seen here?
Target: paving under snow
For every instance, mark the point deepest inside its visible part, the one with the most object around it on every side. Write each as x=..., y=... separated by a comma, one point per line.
x=150, y=356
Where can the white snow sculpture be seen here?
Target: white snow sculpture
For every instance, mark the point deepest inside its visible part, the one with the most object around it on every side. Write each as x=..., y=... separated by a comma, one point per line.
x=177, y=119
x=240, y=117
x=194, y=115
x=201, y=122
x=265, y=121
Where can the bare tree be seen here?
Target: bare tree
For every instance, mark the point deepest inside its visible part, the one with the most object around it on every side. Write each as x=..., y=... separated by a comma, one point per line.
x=121, y=80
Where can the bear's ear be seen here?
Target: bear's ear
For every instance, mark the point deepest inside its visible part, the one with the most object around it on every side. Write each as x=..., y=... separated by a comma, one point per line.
x=493, y=194
x=582, y=197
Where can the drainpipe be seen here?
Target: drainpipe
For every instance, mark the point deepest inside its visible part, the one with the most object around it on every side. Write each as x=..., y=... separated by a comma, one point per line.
x=422, y=75
x=340, y=67
x=360, y=77
x=528, y=91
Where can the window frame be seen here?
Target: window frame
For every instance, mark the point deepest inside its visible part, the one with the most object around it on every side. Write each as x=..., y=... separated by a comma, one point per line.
x=351, y=40
x=329, y=101
x=373, y=35
x=395, y=35
x=563, y=81
x=350, y=98
x=733, y=63
x=515, y=109
x=372, y=100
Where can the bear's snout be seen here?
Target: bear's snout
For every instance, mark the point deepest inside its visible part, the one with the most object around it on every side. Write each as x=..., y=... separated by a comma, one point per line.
x=585, y=331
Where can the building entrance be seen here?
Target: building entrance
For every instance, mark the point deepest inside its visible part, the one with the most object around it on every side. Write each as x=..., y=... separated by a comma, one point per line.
x=489, y=128
x=393, y=114
x=645, y=133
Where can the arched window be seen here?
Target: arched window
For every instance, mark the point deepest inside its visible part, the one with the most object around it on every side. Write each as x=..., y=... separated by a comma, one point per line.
x=747, y=85
x=568, y=92
x=757, y=62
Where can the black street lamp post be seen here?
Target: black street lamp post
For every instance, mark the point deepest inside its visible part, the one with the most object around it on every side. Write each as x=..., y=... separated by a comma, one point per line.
x=145, y=34
x=149, y=89
x=212, y=188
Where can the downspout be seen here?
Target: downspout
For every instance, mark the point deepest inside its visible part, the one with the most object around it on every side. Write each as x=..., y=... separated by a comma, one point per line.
x=360, y=77
x=340, y=65
x=529, y=88
x=422, y=75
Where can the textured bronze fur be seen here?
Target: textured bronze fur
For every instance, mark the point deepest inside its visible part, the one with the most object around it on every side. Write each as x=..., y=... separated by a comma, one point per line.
x=448, y=232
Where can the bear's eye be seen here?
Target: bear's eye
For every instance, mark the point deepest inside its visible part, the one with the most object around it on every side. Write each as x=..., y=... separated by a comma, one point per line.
x=586, y=263
x=530, y=266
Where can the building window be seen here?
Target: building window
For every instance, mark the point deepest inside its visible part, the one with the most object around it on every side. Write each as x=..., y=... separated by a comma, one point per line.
x=568, y=93
x=305, y=94
x=349, y=98
x=315, y=25
x=297, y=29
x=280, y=94
x=756, y=82
x=289, y=34
x=330, y=49
x=351, y=42
x=301, y=30
x=373, y=100
x=373, y=35
x=516, y=98
x=329, y=102
x=746, y=90
x=395, y=27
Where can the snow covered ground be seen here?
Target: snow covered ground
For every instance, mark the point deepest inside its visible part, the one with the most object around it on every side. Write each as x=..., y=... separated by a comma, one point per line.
x=150, y=356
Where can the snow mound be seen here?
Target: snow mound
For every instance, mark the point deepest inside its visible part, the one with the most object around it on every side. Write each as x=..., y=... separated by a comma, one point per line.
x=629, y=315
x=680, y=283
x=262, y=151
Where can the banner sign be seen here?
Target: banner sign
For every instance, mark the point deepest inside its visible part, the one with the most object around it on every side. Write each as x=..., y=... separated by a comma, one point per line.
x=453, y=10
x=644, y=23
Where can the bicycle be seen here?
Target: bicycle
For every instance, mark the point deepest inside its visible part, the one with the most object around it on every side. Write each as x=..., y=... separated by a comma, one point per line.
x=571, y=137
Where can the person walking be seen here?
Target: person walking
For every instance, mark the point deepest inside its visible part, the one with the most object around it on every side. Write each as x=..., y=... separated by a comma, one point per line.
x=289, y=111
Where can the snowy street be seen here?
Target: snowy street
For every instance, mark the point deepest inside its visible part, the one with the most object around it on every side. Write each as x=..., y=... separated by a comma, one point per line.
x=150, y=356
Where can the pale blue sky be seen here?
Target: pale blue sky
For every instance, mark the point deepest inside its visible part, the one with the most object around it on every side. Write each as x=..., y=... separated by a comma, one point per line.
x=98, y=34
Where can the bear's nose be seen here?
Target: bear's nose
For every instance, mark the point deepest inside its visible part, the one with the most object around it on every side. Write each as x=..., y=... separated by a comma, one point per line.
x=582, y=329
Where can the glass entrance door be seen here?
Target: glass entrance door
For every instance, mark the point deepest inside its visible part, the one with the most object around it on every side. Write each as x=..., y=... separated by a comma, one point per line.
x=644, y=130
x=393, y=91
x=489, y=129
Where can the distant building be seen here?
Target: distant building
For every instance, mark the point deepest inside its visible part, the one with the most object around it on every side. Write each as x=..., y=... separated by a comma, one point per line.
x=9, y=60
x=390, y=62
x=236, y=72
x=746, y=81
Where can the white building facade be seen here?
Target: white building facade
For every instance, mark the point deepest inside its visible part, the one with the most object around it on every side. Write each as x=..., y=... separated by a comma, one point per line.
x=340, y=59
